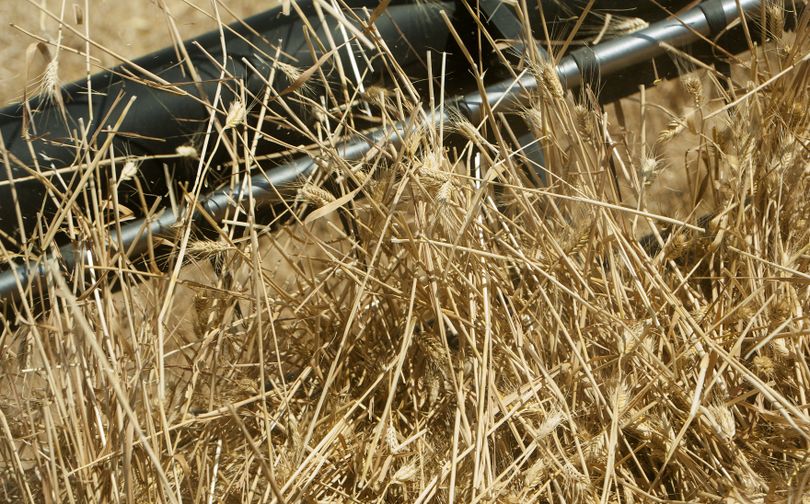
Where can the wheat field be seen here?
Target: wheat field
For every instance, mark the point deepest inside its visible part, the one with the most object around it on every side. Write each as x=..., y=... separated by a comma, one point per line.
x=467, y=337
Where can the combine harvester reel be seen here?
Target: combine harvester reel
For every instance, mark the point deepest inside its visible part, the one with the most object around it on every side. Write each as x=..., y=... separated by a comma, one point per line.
x=57, y=154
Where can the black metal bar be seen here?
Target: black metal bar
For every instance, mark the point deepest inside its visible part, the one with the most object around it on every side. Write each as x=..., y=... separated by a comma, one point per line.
x=172, y=107
x=606, y=59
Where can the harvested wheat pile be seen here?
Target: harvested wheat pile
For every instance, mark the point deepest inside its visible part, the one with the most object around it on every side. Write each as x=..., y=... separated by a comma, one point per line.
x=451, y=331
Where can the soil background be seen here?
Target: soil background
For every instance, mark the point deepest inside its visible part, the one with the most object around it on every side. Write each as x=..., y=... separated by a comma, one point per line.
x=129, y=29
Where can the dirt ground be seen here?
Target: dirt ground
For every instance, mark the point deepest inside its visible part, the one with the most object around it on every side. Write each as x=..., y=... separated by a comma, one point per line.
x=128, y=29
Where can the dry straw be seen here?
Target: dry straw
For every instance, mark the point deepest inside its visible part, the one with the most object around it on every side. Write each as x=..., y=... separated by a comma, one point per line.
x=528, y=349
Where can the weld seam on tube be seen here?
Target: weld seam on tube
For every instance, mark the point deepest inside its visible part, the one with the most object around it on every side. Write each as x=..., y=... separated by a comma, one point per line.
x=715, y=15
x=588, y=64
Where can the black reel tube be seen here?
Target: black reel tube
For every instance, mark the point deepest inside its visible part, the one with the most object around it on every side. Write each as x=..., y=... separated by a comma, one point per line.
x=46, y=162
x=171, y=109
x=185, y=119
